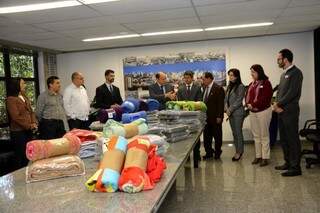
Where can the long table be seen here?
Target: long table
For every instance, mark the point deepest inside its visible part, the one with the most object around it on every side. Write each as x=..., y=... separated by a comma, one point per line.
x=70, y=195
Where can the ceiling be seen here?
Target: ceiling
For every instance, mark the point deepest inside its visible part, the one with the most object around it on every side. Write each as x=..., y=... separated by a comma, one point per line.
x=64, y=28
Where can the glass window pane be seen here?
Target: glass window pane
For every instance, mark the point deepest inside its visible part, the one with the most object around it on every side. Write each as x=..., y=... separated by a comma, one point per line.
x=21, y=66
x=4, y=133
x=1, y=65
x=31, y=93
x=3, y=110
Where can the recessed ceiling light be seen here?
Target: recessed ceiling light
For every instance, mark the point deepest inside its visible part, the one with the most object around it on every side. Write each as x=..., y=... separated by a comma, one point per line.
x=41, y=6
x=172, y=32
x=96, y=1
x=239, y=26
x=48, y=5
x=111, y=37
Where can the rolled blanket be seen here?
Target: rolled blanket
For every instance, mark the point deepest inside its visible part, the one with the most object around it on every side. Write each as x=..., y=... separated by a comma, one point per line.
x=136, y=127
x=129, y=117
x=119, y=113
x=107, y=177
x=194, y=106
x=143, y=105
x=133, y=177
x=130, y=105
x=83, y=135
x=105, y=114
x=186, y=105
x=40, y=149
x=159, y=141
x=156, y=166
x=55, y=167
x=153, y=104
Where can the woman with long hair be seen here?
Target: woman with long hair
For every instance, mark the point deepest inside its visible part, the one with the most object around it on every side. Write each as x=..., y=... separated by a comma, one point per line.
x=235, y=110
x=21, y=117
x=258, y=101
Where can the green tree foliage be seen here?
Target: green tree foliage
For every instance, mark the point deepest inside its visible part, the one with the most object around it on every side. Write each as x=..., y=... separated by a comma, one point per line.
x=21, y=66
x=1, y=65
x=3, y=114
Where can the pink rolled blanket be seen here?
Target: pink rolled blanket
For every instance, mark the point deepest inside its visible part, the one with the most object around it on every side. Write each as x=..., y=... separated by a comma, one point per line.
x=41, y=149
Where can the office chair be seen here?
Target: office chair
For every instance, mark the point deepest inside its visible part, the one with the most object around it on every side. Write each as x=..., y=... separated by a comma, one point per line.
x=311, y=132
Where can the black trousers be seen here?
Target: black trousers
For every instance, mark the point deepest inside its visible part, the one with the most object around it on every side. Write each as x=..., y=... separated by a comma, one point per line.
x=289, y=137
x=51, y=129
x=212, y=131
x=20, y=140
x=78, y=124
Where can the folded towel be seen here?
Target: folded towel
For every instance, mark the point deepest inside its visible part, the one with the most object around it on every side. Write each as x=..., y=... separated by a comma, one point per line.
x=129, y=117
x=40, y=149
x=55, y=167
x=107, y=177
x=136, y=127
x=88, y=149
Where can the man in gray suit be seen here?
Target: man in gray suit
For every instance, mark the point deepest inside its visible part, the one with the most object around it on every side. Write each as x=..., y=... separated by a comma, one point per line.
x=161, y=90
x=189, y=91
x=287, y=107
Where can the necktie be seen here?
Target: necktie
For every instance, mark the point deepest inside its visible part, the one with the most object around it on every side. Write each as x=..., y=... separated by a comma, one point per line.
x=110, y=88
x=162, y=88
x=205, y=97
x=188, y=90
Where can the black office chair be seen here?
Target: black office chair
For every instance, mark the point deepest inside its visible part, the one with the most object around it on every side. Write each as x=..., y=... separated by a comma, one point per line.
x=311, y=132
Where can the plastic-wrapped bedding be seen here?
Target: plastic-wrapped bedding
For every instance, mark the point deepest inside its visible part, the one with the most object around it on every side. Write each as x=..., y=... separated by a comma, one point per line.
x=175, y=128
x=55, y=167
x=96, y=126
x=176, y=134
x=176, y=139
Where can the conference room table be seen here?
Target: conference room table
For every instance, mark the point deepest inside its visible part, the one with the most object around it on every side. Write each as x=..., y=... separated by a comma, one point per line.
x=70, y=194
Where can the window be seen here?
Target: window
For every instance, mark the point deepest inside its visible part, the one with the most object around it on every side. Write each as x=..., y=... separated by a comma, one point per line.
x=3, y=113
x=16, y=63
x=1, y=65
x=21, y=66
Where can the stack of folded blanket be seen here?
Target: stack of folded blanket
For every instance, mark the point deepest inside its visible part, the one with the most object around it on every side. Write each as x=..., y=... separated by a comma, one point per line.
x=152, y=118
x=54, y=158
x=137, y=127
x=159, y=141
x=195, y=120
x=88, y=141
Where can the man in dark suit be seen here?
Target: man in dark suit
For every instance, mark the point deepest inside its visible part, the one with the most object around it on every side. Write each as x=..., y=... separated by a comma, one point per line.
x=214, y=99
x=191, y=92
x=108, y=95
x=161, y=90
x=287, y=107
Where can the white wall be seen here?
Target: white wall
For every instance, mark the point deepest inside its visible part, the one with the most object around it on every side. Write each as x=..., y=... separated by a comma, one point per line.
x=241, y=53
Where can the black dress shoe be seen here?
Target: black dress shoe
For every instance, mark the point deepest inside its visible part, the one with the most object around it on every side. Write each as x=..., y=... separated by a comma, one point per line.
x=264, y=162
x=207, y=157
x=256, y=161
x=282, y=167
x=237, y=159
x=291, y=173
x=217, y=155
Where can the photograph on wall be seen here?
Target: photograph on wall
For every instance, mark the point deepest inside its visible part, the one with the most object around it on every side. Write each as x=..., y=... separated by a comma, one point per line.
x=139, y=72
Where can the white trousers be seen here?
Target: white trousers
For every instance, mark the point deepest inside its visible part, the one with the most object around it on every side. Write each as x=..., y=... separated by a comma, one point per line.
x=260, y=122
